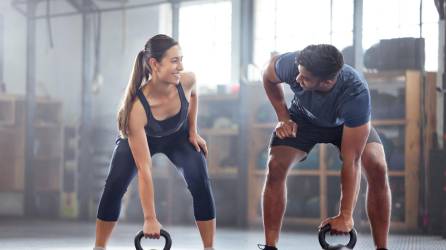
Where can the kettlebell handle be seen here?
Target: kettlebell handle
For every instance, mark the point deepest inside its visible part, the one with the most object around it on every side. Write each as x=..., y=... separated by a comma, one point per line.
x=163, y=234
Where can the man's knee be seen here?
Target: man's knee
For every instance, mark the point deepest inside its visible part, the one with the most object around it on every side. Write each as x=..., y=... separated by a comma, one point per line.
x=376, y=172
x=277, y=171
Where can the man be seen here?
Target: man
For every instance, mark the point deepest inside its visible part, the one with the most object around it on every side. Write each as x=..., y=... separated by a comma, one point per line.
x=331, y=105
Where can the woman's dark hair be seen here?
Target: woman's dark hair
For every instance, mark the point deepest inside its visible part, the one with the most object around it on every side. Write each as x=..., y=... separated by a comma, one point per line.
x=155, y=47
x=322, y=60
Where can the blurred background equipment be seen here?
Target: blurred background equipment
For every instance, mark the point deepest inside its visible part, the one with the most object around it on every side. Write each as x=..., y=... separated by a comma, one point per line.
x=64, y=65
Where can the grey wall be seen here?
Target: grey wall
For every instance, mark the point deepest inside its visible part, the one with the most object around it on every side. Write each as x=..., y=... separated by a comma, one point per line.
x=117, y=55
x=58, y=71
x=14, y=48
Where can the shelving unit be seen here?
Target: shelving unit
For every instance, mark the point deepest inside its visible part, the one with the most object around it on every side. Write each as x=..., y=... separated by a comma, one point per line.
x=69, y=200
x=313, y=185
x=47, y=152
x=219, y=125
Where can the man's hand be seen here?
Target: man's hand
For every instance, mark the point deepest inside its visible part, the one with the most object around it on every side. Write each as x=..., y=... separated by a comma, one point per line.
x=286, y=128
x=341, y=224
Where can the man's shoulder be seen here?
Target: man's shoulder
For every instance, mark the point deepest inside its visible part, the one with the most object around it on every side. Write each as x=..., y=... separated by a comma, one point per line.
x=352, y=77
x=349, y=71
x=290, y=57
x=286, y=67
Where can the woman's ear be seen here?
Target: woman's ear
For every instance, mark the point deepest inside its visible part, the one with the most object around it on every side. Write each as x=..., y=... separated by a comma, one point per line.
x=153, y=64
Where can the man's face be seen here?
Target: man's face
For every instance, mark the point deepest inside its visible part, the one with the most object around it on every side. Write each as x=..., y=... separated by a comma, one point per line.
x=307, y=80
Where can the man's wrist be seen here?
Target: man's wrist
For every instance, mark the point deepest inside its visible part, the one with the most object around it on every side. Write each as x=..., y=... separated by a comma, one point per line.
x=346, y=213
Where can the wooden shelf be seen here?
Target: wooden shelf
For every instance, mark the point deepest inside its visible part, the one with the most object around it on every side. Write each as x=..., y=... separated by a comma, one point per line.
x=218, y=97
x=390, y=122
x=397, y=173
x=227, y=172
x=292, y=221
x=333, y=172
x=293, y=172
x=219, y=132
x=264, y=125
x=390, y=173
x=7, y=110
x=48, y=158
x=48, y=125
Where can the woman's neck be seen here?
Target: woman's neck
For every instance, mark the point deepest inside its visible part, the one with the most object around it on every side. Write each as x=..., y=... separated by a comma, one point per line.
x=159, y=87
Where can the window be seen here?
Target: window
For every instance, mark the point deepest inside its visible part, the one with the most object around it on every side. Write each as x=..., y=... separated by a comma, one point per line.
x=205, y=38
x=401, y=18
x=289, y=25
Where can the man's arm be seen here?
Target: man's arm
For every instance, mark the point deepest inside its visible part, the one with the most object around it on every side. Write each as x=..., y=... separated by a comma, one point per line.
x=353, y=144
x=274, y=90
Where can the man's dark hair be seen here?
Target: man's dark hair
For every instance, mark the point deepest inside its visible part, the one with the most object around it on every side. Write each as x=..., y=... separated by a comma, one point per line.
x=322, y=60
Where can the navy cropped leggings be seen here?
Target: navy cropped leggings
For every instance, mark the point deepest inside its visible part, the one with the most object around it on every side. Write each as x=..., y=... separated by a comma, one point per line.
x=191, y=164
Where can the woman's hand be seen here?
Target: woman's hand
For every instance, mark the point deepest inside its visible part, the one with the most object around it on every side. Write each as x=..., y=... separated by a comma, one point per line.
x=152, y=228
x=198, y=142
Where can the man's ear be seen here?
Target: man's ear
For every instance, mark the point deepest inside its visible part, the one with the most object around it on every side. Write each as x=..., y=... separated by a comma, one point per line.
x=327, y=83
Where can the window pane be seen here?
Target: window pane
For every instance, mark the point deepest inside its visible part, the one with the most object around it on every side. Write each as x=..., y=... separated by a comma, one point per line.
x=401, y=18
x=430, y=13
x=430, y=34
x=289, y=25
x=207, y=49
x=343, y=16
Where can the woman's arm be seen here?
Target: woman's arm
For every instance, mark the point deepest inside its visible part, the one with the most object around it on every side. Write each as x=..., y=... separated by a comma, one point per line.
x=199, y=143
x=141, y=153
x=193, y=102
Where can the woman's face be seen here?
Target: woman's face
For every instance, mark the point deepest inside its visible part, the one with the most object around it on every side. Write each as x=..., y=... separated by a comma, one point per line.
x=168, y=70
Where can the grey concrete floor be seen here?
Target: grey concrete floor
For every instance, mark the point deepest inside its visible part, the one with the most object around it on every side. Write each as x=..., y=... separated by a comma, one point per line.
x=52, y=235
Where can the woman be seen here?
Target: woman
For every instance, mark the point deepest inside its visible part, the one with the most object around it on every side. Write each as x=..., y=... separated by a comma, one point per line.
x=158, y=114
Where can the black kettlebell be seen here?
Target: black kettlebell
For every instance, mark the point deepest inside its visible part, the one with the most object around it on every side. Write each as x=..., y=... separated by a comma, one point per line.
x=163, y=233
x=327, y=228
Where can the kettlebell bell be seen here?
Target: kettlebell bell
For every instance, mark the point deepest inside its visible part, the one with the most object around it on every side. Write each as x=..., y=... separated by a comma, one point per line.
x=327, y=228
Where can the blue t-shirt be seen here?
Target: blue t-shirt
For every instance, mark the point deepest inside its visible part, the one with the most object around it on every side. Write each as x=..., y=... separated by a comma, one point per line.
x=348, y=102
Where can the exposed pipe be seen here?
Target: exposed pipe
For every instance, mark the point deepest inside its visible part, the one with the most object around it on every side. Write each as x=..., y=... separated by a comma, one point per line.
x=30, y=102
x=48, y=24
x=2, y=54
x=111, y=9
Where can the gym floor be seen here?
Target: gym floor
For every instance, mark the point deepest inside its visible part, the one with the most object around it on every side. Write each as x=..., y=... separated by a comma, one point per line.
x=52, y=235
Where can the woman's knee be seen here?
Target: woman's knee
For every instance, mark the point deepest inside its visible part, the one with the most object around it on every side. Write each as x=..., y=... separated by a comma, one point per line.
x=203, y=199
